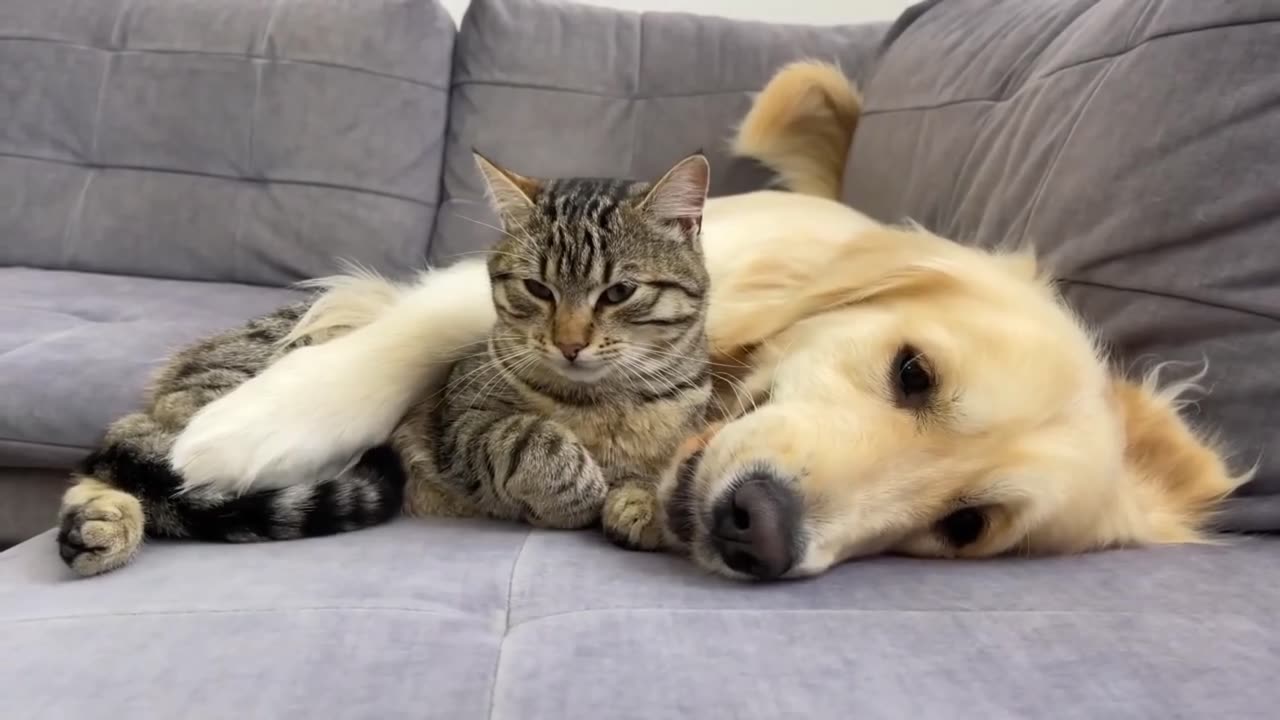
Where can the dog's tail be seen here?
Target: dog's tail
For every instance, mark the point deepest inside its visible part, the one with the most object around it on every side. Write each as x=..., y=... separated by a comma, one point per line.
x=800, y=127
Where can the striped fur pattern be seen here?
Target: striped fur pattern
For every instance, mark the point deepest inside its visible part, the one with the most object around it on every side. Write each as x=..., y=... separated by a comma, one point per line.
x=127, y=489
x=596, y=368
x=519, y=432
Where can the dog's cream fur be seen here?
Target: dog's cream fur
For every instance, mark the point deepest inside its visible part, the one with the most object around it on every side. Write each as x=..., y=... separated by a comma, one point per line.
x=811, y=302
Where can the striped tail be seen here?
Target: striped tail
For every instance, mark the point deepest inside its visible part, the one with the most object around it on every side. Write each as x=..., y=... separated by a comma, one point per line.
x=369, y=493
x=127, y=490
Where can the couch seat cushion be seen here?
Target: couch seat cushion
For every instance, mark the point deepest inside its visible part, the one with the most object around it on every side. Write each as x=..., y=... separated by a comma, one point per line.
x=76, y=350
x=458, y=620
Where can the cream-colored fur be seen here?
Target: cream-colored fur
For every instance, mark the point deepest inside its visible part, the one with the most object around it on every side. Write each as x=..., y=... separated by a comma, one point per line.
x=318, y=407
x=811, y=303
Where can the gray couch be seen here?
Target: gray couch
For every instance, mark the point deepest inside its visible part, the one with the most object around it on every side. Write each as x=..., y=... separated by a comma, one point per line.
x=168, y=168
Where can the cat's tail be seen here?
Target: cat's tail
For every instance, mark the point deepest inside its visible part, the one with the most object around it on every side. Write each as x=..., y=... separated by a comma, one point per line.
x=127, y=490
x=800, y=127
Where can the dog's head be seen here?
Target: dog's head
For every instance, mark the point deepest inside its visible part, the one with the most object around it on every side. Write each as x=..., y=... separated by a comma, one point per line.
x=913, y=396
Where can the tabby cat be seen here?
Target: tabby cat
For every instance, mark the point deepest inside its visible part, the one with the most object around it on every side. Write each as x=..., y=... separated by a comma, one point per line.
x=596, y=368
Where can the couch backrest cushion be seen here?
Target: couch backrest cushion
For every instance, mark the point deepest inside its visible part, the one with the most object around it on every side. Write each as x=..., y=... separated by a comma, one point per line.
x=236, y=140
x=561, y=89
x=1135, y=144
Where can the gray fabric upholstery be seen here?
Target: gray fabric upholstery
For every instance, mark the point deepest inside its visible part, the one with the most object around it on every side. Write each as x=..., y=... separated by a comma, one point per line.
x=562, y=89
x=1135, y=145
x=236, y=140
x=76, y=350
x=249, y=141
x=512, y=624
x=29, y=501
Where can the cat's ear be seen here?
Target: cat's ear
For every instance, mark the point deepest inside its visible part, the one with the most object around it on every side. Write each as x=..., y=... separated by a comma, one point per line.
x=680, y=195
x=510, y=194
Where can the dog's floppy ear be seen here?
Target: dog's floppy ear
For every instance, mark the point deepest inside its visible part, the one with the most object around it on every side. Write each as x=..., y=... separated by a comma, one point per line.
x=773, y=293
x=1179, y=476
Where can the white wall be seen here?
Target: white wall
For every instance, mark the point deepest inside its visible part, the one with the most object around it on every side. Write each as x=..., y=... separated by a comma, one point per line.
x=818, y=12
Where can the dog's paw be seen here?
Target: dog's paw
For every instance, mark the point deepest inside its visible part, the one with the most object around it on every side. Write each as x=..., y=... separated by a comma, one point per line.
x=307, y=416
x=632, y=517
x=101, y=534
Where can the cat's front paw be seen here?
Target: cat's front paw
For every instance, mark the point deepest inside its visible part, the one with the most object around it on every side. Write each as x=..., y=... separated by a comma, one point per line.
x=100, y=529
x=562, y=501
x=632, y=517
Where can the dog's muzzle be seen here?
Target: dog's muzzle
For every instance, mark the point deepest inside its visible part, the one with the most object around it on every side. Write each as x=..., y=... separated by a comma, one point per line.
x=755, y=526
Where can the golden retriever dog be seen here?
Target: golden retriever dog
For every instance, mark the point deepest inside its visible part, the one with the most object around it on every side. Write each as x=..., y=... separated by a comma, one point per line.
x=882, y=389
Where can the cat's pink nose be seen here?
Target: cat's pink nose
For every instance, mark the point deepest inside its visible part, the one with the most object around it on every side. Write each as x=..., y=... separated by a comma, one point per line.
x=570, y=350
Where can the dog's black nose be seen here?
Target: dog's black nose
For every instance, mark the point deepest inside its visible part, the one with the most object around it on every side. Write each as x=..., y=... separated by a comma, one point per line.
x=754, y=527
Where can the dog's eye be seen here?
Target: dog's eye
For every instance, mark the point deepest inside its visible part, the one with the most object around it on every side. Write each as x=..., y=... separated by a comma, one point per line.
x=617, y=293
x=963, y=527
x=538, y=290
x=913, y=382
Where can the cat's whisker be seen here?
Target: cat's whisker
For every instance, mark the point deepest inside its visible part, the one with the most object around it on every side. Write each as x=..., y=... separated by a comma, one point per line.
x=739, y=390
x=524, y=238
x=773, y=380
x=499, y=378
x=666, y=352
x=513, y=364
x=633, y=369
x=475, y=375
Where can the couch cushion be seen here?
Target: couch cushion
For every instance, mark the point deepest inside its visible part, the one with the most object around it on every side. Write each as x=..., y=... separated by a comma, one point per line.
x=30, y=501
x=76, y=350
x=641, y=91
x=1135, y=145
x=484, y=620
x=239, y=140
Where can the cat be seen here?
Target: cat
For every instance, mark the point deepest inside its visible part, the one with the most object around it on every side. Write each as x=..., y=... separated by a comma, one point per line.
x=596, y=368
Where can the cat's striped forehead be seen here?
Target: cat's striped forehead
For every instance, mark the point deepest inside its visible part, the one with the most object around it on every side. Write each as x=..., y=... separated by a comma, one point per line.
x=589, y=201
x=581, y=233
x=581, y=224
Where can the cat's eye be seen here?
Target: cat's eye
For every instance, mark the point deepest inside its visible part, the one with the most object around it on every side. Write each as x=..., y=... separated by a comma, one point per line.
x=617, y=293
x=538, y=290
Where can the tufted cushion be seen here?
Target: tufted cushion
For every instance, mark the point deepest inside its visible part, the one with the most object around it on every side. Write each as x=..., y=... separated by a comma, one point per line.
x=238, y=140
x=1135, y=145
x=561, y=89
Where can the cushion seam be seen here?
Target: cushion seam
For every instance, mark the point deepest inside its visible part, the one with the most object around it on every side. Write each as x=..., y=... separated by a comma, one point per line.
x=234, y=611
x=1170, y=296
x=1049, y=74
x=506, y=625
x=1047, y=176
x=391, y=609
x=231, y=55
x=290, y=287
x=876, y=611
x=95, y=167
x=600, y=94
x=40, y=444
